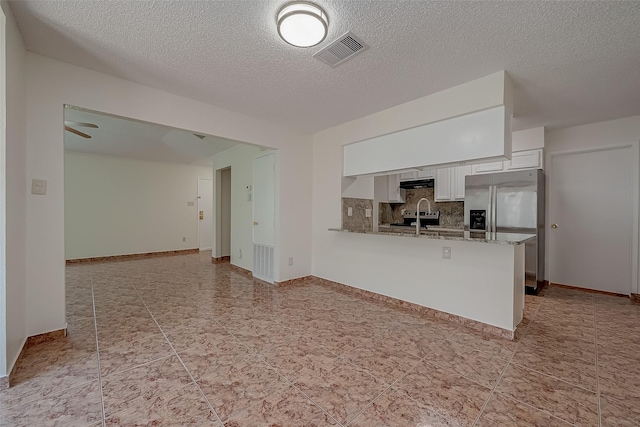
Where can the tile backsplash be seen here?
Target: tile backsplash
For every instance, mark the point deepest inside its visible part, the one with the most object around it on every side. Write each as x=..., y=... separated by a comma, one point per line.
x=358, y=219
x=451, y=213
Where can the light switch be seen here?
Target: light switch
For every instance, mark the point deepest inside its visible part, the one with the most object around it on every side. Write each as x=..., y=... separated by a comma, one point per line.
x=367, y=213
x=349, y=211
x=39, y=187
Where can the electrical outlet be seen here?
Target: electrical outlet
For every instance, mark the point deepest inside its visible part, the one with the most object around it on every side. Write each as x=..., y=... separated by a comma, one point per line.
x=184, y=239
x=349, y=211
x=446, y=252
x=367, y=213
x=290, y=260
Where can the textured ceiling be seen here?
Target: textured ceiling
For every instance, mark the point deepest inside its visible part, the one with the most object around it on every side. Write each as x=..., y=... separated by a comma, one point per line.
x=134, y=139
x=571, y=62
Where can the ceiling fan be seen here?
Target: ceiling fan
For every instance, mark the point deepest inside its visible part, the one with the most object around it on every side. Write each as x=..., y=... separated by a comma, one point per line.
x=69, y=123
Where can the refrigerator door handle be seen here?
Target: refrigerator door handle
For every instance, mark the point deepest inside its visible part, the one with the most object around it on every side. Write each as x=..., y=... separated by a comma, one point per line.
x=494, y=208
x=489, y=221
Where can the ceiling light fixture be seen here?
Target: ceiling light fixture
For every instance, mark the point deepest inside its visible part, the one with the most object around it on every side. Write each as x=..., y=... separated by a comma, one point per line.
x=302, y=24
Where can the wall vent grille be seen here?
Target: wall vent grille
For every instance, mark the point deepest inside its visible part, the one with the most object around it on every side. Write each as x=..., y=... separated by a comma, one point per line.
x=344, y=48
x=263, y=262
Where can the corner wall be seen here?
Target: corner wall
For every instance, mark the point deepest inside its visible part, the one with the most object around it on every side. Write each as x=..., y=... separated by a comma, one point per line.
x=51, y=84
x=16, y=191
x=119, y=206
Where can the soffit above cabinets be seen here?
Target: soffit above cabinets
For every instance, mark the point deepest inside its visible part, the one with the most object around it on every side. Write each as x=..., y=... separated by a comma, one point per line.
x=467, y=123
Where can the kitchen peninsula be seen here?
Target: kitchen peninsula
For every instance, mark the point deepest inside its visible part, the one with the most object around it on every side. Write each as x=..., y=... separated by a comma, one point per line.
x=472, y=276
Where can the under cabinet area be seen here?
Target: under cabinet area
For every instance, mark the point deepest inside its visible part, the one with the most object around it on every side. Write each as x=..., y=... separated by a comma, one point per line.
x=449, y=183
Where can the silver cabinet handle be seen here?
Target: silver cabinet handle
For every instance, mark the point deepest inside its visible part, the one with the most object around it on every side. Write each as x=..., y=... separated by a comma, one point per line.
x=554, y=225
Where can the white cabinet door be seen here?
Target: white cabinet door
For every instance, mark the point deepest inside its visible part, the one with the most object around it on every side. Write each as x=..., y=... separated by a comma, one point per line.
x=442, y=185
x=459, y=173
x=488, y=167
x=395, y=195
x=408, y=176
x=426, y=173
x=529, y=159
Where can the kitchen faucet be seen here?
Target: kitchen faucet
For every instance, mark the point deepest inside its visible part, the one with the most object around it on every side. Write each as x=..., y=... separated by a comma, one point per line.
x=418, y=213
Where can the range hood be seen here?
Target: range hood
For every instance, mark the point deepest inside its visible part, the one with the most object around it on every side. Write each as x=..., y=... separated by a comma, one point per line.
x=418, y=183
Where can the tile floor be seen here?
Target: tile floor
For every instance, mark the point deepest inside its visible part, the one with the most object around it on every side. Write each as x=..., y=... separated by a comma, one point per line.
x=180, y=341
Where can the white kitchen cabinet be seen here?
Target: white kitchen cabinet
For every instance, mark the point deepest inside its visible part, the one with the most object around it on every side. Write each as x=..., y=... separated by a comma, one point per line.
x=387, y=189
x=458, y=185
x=442, y=185
x=449, y=183
x=426, y=173
x=409, y=176
x=528, y=159
x=488, y=167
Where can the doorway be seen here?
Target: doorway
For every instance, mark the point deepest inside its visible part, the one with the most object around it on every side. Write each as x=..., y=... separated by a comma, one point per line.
x=593, y=218
x=205, y=211
x=223, y=214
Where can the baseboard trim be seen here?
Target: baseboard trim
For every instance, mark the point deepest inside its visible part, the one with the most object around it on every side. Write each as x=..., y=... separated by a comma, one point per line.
x=220, y=260
x=5, y=382
x=296, y=281
x=241, y=270
x=420, y=309
x=590, y=291
x=127, y=257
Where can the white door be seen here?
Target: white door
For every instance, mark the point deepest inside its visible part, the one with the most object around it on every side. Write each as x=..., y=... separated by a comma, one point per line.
x=205, y=213
x=590, y=219
x=264, y=216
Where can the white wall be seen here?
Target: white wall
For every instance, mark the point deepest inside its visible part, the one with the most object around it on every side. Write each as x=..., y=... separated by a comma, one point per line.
x=118, y=206
x=240, y=159
x=16, y=192
x=593, y=135
x=51, y=84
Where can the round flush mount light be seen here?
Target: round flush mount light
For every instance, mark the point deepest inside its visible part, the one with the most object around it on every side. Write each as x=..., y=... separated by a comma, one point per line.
x=302, y=24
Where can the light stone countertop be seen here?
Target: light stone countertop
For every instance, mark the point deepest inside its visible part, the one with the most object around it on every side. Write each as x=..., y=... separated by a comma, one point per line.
x=446, y=234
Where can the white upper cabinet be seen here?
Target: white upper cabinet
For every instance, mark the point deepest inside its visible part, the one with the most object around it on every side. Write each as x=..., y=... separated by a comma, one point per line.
x=459, y=173
x=387, y=189
x=442, y=185
x=529, y=159
x=409, y=176
x=526, y=159
x=450, y=183
x=488, y=167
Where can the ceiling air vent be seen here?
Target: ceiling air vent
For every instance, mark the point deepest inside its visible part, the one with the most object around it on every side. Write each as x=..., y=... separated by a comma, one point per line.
x=346, y=47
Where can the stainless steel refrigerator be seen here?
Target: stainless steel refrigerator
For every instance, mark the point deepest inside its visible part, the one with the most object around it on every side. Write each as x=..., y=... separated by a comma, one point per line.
x=510, y=202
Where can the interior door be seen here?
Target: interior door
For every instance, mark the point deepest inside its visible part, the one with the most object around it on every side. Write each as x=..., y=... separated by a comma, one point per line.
x=205, y=214
x=264, y=200
x=590, y=219
x=264, y=217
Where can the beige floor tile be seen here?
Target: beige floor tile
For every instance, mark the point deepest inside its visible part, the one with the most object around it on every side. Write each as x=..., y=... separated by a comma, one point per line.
x=395, y=409
x=181, y=407
x=343, y=391
x=503, y=411
x=619, y=413
x=285, y=408
x=565, y=401
x=455, y=397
